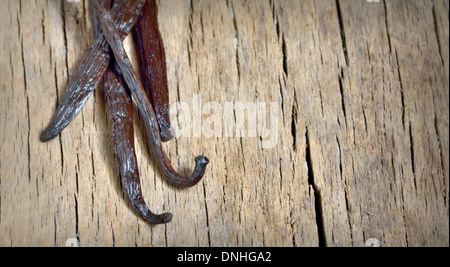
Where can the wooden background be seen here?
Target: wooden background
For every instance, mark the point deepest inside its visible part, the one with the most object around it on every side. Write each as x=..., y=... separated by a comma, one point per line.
x=363, y=127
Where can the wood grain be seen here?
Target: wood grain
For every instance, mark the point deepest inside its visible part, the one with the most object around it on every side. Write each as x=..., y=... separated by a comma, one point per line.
x=362, y=138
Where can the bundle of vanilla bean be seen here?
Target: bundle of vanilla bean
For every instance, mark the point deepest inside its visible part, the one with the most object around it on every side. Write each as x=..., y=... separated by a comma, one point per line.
x=107, y=59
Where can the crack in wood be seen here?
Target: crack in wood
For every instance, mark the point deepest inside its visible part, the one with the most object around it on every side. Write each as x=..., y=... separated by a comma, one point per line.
x=387, y=26
x=436, y=31
x=294, y=117
x=206, y=214
x=77, y=233
x=342, y=30
x=411, y=148
x=402, y=91
x=321, y=236
x=285, y=56
x=236, y=42
x=341, y=90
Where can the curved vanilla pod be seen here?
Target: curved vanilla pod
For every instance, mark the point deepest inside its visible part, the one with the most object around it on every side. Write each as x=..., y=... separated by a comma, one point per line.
x=144, y=105
x=120, y=109
x=91, y=70
x=152, y=65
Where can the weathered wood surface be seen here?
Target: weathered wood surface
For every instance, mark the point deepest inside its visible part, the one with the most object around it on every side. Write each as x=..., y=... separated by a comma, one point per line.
x=362, y=139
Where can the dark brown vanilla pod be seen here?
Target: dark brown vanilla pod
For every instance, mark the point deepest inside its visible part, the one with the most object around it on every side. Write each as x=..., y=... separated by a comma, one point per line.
x=144, y=105
x=152, y=63
x=80, y=89
x=120, y=109
x=125, y=14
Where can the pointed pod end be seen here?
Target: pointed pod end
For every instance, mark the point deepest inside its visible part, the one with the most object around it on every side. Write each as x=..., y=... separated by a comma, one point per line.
x=201, y=161
x=46, y=136
x=200, y=167
x=167, y=134
x=154, y=219
x=167, y=217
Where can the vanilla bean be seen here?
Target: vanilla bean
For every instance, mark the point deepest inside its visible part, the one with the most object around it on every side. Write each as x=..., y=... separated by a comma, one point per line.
x=91, y=70
x=145, y=107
